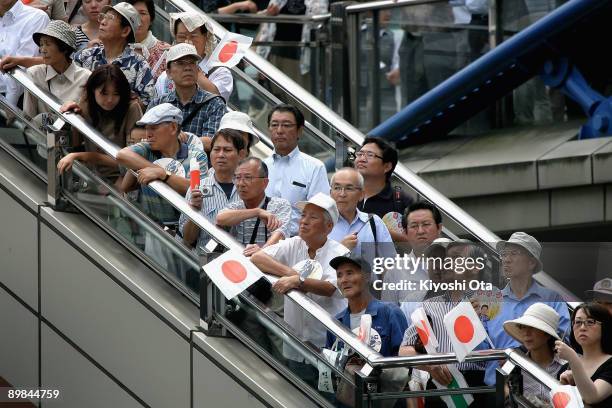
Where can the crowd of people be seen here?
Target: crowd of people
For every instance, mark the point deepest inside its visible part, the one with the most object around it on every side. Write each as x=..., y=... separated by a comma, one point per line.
x=318, y=234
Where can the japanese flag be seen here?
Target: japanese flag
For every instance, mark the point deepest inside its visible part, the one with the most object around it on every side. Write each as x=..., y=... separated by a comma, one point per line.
x=229, y=51
x=566, y=396
x=232, y=273
x=423, y=328
x=464, y=329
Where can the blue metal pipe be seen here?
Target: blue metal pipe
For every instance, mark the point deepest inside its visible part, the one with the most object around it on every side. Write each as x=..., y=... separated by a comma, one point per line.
x=491, y=76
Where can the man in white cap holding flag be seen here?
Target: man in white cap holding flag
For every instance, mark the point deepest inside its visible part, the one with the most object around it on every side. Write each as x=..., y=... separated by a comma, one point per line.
x=520, y=261
x=302, y=263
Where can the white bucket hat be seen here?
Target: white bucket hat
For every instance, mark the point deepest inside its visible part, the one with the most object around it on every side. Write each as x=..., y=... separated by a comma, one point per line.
x=525, y=241
x=131, y=15
x=323, y=201
x=539, y=316
x=239, y=121
x=601, y=291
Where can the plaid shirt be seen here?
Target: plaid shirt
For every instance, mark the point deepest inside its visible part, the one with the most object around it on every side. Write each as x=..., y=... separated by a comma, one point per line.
x=133, y=65
x=206, y=121
x=150, y=202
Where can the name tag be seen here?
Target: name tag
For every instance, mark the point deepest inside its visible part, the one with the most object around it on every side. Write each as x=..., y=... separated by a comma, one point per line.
x=296, y=183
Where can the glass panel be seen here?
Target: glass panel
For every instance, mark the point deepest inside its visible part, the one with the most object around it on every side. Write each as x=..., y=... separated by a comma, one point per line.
x=24, y=136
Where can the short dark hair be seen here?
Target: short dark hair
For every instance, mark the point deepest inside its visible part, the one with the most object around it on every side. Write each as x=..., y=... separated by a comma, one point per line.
x=601, y=314
x=263, y=167
x=230, y=135
x=422, y=205
x=150, y=7
x=389, y=152
x=285, y=107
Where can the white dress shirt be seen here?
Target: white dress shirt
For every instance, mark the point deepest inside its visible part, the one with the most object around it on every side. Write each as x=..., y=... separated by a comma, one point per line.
x=290, y=252
x=295, y=177
x=16, y=29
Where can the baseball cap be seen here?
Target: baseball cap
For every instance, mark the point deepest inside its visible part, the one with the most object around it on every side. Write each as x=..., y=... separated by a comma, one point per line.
x=602, y=290
x=323, y=201
x=131, y=15
x=239, y=121
x=527, y=242
x=181, y=50
x=354, y=259
x=161, y=113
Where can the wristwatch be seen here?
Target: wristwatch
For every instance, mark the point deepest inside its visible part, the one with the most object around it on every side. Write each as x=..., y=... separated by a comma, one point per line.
x=302, y=279
x=168, y=174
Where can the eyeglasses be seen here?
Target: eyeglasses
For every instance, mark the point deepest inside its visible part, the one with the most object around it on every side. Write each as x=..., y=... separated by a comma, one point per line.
x=337, y=188
x=247, y=179
x=106, y=16
x=181, y=38
x=424, y=225
x=586, y=323
x=184, y=63
x=367, y=154
x=284, y=125
x=511, y=253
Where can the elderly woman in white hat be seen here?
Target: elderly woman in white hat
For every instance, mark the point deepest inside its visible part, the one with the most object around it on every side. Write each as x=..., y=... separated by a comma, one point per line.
x=537, y=331
x=58, y=75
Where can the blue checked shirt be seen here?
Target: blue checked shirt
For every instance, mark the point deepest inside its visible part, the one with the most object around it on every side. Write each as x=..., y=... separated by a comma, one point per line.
x=206, y=121
x=151, y=203
x=296, y=177
x=133, y=65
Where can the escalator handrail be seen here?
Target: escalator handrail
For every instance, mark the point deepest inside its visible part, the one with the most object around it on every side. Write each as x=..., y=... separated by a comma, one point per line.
x=351, y=133
x=179, y=202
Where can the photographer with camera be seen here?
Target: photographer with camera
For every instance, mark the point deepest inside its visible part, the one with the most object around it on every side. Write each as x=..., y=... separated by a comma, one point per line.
x=217, y=191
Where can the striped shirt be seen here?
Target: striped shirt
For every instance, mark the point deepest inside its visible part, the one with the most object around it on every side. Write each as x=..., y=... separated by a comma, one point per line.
x=81, y=38
x=211, y=205
x=279, y=207
x=436, y=308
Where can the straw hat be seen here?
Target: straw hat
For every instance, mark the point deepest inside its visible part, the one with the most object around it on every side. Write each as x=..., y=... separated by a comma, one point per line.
x=59, y=30
x=538, y=316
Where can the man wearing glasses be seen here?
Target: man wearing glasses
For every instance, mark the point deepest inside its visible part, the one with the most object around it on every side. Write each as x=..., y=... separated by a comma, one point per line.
x=202, y=110
x=256, y=220
x=118, y=24
x=365, y=235
x=520, y=261
x=376, y=161
x=294, y=176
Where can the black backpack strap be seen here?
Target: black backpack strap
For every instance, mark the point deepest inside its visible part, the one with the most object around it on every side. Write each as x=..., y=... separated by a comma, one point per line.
x=373, y=227
x=189, y=118
x=75, y=10
x=256, y=227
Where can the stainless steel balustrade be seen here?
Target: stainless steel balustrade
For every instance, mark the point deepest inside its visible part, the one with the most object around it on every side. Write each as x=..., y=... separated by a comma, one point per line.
x=353, y=135
x=179, y=202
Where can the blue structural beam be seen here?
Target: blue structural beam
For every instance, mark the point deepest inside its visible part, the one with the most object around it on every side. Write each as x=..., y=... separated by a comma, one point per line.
x=571, y=31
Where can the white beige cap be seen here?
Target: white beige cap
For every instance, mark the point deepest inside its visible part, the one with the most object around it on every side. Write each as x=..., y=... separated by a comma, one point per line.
x=323, y=201
x=181, y=50
x=239, y=121
x=130, y=13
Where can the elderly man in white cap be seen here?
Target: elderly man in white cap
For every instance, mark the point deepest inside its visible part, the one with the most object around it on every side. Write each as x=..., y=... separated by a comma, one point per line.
x=520, y=261
x=202, y=111
x=602, y=293
x=193, y=28
x=118, y=24
x=293, y=261
x=162, y=157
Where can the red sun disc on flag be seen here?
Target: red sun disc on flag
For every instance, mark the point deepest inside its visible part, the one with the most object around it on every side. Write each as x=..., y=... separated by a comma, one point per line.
x=234, y=271
x=423, y=333
x=228, y=51
x=464, y=330
x=561, y=399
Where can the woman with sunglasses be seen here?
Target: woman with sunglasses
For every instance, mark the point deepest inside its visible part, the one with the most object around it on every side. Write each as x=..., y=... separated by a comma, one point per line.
x=591, y=371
